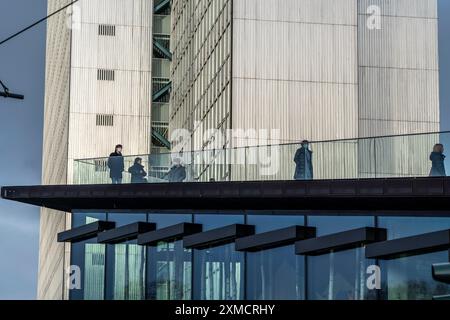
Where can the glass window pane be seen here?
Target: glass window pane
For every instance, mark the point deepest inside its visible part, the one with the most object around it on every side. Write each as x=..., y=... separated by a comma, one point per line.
x=275, y=274
x=218, y=271
x=81, y=218
x=400, y=227
x=169, y=264
x=125, y=267
x=170, y=272
x=218, y=274
x=339, y=275
x=334, y=224
x=214, y=221
x=89, y=258
x=410, y=278
x=266, y=223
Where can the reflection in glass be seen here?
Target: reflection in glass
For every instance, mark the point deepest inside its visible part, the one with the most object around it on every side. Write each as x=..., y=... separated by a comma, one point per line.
x=339, y=276
x=126, y=271
x=125, y=267
x=214, y=221
x=219, y=273
x=90, y=258
x=170, y=272
x=410, y=278
x=400, y=227
x=276, y=274
x=334, y=224
x=81, y=219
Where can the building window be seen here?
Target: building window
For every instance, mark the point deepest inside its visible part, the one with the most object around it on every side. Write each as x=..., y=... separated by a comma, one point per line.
x=90, y=258
x=275, y=274
x=339, y=275
x=105, y=75
x=125, y=264
x=410, y=278
x=104, y=120
x=169, y=270
x=106, y=30
x=218, y=271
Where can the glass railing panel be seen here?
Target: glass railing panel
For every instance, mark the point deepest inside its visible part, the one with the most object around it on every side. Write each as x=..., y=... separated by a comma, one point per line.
x=418, y=155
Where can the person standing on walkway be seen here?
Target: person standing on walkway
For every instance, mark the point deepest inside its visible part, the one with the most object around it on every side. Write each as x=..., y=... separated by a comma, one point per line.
x=437, y=159
x=116, y=165
x=303, y=162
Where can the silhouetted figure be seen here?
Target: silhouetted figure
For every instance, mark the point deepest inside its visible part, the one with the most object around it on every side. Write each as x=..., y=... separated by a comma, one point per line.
x=178, y=172
x=116, y=165
x=303, y=162
x=137, y=171
x=437, y=158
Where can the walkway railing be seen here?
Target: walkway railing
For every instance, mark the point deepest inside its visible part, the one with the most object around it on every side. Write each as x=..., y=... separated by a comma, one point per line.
x=376, y=157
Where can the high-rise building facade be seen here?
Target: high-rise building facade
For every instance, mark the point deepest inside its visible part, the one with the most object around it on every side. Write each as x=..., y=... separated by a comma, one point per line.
x=99, y=90
x=312, y=69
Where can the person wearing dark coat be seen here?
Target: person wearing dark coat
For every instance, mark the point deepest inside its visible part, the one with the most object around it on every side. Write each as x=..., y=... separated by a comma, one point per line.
x=116, y=165
x=137, y=171
x=437, y=159
x=303, y=162
x=177, y=173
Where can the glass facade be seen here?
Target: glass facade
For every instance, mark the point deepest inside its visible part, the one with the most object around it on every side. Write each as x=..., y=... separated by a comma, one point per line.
x=275, y=274
x=409, y=278
x=169, y=264
x=89, y=256
x=218, y=271
x=168, y=271
x=338, y=275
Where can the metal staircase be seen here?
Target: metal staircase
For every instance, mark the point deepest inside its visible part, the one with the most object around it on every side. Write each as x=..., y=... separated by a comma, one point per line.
x=161, y=49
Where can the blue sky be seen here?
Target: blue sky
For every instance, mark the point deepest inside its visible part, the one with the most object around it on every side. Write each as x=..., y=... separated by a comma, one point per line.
x=22, y=69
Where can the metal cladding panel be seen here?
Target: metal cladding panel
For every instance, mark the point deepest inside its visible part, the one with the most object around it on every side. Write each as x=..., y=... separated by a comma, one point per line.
x=128, y=130
x=129, y=94
x=403, y=8
x=134, y=43
x=126, y=97
x=398, y=86
x=399, y=68
x=307, y=11
x=281, y=83
x=54, y=153
x=137, y=13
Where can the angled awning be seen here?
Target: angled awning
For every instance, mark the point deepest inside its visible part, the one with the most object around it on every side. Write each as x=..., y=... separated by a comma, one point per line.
x=274, y=239
x=85, y=232
x=218, y=236
x=168, y=234
x=409, y=246
x=125, y=233
x=340, y=241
